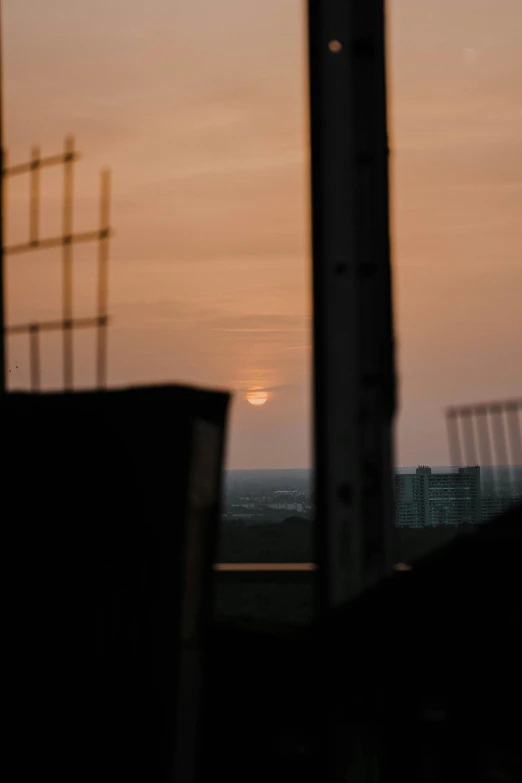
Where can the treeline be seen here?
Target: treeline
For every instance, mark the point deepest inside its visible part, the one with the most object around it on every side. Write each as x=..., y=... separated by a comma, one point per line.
x=291, y=541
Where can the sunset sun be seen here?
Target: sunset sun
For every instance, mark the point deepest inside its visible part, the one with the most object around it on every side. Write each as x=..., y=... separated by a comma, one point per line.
x=257, y=397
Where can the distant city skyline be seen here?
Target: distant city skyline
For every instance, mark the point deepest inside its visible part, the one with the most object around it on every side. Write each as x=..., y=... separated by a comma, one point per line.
x=425, y=496
x=200, y=110
x=399, y=468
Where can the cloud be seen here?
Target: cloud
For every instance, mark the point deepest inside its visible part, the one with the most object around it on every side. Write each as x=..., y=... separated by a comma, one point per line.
x=262, y=330
x=239, y=165
x=261, y=324
x=473, y=54
x=175, y=313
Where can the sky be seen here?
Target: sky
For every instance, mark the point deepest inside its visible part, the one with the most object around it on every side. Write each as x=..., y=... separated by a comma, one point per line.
x=200, y=111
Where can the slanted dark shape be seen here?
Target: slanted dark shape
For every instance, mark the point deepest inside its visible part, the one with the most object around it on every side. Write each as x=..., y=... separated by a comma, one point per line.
x=110, y=517
x=424, y=669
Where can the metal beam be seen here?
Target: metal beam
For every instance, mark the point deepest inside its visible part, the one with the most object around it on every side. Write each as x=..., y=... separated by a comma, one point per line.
x=354, y=395
x=59, y=241
x=50, y=160
x=58, y=326
x=266, y=573
x=3, y=285
x=65, y=241
x=354, y=381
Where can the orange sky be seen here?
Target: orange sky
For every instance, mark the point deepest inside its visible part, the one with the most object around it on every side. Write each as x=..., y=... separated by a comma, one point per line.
x=200, y=109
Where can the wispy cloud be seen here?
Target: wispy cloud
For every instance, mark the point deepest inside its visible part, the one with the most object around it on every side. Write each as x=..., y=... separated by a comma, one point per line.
x=261, y=324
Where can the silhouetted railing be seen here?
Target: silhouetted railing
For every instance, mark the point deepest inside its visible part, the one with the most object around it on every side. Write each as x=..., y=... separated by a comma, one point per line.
x=66, y=240
x=488, y=434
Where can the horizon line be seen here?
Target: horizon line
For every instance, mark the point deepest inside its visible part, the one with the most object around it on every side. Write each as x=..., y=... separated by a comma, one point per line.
x=398, y=467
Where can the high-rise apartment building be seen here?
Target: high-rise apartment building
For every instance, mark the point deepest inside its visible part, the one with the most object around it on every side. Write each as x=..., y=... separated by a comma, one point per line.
x=426, y=498
x=494, y=505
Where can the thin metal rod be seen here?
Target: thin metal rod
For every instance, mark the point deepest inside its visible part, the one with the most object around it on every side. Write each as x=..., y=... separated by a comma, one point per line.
x=3, y=277
x=56, y=326
x=499, y=435
x=34, y=199
x=4, y=286
x=67, y=263
x=484, y=440
x=468, y=437
x=452, y=422
x=34, y=348
x=46, y=244
x=103, y=279
x=52, y=160
x=513, y=413
x=497, y=404
x=267, y=576
x=265, y=567
x=66, y=241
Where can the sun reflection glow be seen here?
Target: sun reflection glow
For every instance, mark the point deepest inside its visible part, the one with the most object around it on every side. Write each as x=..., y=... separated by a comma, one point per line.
x=257, y=397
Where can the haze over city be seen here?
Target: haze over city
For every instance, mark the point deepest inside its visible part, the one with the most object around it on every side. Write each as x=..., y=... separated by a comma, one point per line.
x=200, y=111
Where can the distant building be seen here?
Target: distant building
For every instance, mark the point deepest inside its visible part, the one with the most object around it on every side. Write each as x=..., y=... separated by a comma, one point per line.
x=288, y=506
x=426, y=498
x=494, y=505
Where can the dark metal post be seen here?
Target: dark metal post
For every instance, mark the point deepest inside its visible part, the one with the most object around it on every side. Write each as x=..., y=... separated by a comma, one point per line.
x=34, y=197
x=353, y=333
x=452, y=422
x=354, y=380
x=67, y=232
x=3, y=336
x=468, y=437
x=499, y=435
x=482, y=419
x=65, y=241
x=513, y=414
x=103, y=280
x=34, y=353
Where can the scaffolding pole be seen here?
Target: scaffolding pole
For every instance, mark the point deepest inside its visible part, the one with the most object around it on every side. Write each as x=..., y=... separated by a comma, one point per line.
x=66, y=241
x=354, y=379
x=353, y=331
x=3, y=368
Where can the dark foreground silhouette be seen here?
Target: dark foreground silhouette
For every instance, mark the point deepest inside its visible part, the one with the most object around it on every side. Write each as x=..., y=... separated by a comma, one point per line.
x=110, y=516
x=423, y=671
x=105, y=638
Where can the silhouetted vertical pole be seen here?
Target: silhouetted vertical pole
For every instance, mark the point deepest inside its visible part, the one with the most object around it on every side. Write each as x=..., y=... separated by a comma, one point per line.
x=354, y=380
x=353, y=332
x=485, y=456
x=67, y=261
x=513, y=414
x=34, y=197
x=499, y=435
x=34, y=353
x=468, y=437
x=337, y=465
x=103, y=279
x=452, y=423
x=3, y=282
